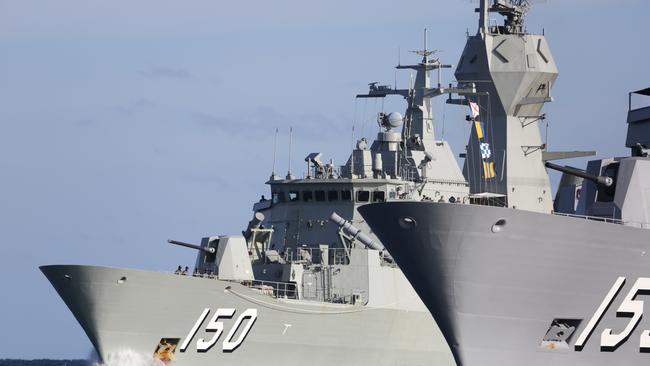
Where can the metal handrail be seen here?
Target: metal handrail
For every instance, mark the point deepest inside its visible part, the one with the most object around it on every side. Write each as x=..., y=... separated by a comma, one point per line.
x=285, y=290
x=637, y=224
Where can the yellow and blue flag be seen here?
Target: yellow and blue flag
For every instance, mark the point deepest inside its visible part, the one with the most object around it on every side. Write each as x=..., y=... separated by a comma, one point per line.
x=484, y=146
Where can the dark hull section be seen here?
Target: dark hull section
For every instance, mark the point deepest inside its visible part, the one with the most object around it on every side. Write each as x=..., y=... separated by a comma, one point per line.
x=507, y=286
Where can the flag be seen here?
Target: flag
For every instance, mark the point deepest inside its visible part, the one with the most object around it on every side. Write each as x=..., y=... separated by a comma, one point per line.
x=488, y=169
x=485, y=150
x=484, y=146
x=474, y=109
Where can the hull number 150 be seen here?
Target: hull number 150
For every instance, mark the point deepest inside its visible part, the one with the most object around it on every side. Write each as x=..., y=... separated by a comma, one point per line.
x=216, y=326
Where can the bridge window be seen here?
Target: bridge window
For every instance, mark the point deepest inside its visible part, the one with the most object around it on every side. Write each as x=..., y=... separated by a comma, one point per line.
x=346, y=195
x=278, y=197
x=320, y=196
x=307, y=196
x=363, y=196
x=293, y=196
x=332, y=195
x=378, y=196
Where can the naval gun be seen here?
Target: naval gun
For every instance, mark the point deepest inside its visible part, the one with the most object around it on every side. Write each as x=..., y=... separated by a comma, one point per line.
x=207, y=250
x=601, y=180
x=604, y=183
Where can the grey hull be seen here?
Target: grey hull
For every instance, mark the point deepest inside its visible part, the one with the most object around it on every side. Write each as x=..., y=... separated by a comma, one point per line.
x=126, y=309
x=496, y=290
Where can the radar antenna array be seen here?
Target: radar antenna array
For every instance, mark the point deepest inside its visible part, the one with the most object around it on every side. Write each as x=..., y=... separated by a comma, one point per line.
x=426, y=53
x=523, y=6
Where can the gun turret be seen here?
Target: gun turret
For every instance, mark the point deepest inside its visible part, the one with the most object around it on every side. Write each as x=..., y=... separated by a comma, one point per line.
x=603, y=181
x=208, y=250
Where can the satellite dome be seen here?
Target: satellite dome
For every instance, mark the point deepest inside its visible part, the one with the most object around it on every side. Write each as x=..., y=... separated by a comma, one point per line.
x=392, y=120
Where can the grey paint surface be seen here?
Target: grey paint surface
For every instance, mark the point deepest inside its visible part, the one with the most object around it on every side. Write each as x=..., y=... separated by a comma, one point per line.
x=495, y=295
x=147, y=306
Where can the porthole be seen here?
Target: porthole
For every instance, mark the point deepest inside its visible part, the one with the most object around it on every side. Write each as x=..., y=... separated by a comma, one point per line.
x=407, y=223
x=499, y=225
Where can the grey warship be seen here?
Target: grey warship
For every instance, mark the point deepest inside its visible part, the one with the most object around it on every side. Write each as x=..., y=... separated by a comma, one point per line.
x=301, y=285
x=513, y=277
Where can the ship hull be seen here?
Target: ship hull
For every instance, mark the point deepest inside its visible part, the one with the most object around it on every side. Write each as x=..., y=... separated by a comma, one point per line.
x=133, y=310
x=496, y=280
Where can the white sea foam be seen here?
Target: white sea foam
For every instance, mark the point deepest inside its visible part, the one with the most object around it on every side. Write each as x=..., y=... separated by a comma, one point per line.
x=129, y=358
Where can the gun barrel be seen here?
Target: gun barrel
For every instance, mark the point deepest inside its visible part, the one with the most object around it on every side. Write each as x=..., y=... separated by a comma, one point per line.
x=192, y=246
x=600, y=180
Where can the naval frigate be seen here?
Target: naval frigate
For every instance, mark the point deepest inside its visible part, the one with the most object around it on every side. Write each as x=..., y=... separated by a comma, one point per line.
x=307, y=282
x=511, y=277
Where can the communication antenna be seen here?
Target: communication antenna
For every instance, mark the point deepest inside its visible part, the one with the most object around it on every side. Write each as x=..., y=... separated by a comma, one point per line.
x=399, y=56
x=522, y=5
x=425, y=40
x=395, y=84
x=484, y=17
x=275, y=147
x=425, y=53
x=352, y=156
x=289, y=175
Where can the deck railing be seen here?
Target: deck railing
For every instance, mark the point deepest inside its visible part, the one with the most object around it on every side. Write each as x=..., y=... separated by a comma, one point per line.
x=637, y=224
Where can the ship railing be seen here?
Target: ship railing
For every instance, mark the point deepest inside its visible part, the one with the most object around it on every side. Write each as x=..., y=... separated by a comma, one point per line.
x=611, y=220
x=336, y=296
x=282, y=290
x=288, y=290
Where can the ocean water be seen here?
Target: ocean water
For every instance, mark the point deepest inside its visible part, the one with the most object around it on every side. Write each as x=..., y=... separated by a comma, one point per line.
x=45, y=362
x=124, y=358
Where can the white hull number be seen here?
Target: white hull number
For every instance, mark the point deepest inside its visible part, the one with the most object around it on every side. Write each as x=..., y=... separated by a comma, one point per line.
x=630, y=308
x=216, y=326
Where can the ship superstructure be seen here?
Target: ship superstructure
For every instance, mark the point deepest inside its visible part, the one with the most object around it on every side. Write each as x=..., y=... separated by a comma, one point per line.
x=513, y=278
x=307, y=281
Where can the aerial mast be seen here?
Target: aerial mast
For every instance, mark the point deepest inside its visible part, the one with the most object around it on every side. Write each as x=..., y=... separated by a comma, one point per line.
x=484, y=18
x=289, y=175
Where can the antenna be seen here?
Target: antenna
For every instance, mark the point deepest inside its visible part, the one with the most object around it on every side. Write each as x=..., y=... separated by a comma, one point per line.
x=289, y=176
x=425, y=53
x=352, y=156
x=275, y=147
x=484, y=17
x=425, y=40
x=395, y=84
x=399, y=56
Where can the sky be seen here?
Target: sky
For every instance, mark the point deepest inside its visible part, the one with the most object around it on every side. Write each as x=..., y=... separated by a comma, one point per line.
x=127, y=123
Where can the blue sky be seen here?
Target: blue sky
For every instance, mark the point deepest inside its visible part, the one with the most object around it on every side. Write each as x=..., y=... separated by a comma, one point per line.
x=125, y=123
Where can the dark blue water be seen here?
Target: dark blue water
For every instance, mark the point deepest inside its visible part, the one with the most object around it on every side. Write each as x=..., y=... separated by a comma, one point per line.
x=9, y=362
